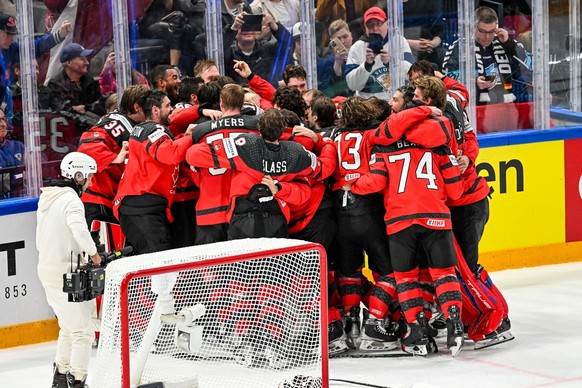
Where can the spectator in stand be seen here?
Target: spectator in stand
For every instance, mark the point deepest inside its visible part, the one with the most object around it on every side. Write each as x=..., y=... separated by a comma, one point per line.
x=284, y=11
x=107, y=80
x=266, y=59
x=10, y=54
x=206, y=69
x=349, y=10
x=164, y=20
x=167, y=79
x=496, y=63
x=296, y=53
x=229, y=11
x=76, y=91
x=11, y=151
x=333, y=80
x=424, y=29
x=147, y=187
x=46, y=100
x=107, y=142
x=367, y=71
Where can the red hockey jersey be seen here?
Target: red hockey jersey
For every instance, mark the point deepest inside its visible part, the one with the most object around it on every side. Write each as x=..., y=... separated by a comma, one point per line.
x=251, y=158
x=415, y=182
x=153, y=163
x=214, y=200
x=103, y=143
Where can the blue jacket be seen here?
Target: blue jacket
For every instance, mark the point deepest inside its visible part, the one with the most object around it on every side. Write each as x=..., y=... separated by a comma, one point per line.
x=11, y=153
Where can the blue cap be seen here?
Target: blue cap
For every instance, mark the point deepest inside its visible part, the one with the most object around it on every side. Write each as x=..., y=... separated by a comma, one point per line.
x=73, y=50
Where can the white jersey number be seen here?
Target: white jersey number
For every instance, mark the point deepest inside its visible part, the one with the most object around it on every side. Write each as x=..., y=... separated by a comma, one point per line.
x=423, y=170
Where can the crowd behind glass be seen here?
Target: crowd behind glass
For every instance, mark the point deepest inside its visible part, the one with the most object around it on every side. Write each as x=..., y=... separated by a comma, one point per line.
x=176, y=33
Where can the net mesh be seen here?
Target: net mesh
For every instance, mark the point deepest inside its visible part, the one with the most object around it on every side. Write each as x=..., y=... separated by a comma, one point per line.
x=260, y=327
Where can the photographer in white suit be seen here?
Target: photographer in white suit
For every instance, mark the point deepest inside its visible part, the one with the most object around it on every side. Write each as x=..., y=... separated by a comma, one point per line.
x=62, y=235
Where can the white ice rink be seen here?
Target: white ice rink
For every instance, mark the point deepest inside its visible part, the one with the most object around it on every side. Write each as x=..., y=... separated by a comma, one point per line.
x=545, y=310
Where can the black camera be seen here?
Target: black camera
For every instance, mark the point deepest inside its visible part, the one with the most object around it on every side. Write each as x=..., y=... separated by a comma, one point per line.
x=88, y=281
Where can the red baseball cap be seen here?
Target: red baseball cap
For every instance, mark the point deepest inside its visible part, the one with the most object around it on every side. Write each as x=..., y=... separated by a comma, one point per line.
x=375, y=13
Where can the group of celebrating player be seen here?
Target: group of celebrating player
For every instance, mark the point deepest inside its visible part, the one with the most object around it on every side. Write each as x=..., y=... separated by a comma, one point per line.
x=394, y=180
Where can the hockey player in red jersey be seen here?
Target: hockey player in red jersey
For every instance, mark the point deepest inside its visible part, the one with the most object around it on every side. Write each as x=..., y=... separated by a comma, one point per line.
x=360, y=228
x=268, y=174
x=214, y=201
x=421, y=180
x=470, y=212
x=147, y=187
x=107, y=143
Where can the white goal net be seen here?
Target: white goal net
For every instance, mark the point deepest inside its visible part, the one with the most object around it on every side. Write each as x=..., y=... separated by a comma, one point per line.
x=243, y=313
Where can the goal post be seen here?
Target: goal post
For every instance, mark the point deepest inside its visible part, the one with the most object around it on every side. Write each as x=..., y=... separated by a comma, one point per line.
x=244, y=313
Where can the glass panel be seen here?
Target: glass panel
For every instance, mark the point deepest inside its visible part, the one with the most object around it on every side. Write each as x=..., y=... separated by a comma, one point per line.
x=565, y=62
x=502, y=81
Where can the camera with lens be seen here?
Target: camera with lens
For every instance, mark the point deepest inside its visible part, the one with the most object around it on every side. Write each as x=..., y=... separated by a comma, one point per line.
x=88, y=281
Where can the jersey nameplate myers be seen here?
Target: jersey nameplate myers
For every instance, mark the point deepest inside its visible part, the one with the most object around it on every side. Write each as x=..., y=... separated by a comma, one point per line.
x=156, y=135
x=229, y=122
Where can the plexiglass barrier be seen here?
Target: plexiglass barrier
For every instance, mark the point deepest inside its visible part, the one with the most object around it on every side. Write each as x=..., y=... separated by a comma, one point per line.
x=522, y=68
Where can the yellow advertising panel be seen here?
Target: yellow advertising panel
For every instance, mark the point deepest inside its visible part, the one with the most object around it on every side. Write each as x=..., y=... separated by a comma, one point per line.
x=528, y=206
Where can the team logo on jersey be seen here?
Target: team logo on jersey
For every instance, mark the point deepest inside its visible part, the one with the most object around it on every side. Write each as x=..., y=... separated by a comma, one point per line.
x=436, y=223
x=351, y=177
x=18, y=156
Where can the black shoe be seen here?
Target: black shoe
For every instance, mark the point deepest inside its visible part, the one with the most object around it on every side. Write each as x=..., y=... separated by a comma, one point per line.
x=455, y=332
x=352, y=328
x=72, y=383
x=59, y=379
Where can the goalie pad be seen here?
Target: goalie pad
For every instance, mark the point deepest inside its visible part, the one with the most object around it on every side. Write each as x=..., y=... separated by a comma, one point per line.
x=483, y=304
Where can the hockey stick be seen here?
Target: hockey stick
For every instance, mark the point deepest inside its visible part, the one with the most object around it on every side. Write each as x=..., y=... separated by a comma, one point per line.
x=359, y=383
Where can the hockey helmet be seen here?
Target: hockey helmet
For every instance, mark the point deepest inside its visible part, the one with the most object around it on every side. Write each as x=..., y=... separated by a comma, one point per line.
x=77, y=162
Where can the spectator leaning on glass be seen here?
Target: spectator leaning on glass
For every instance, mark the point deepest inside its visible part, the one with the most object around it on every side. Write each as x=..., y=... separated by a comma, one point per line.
x=368, y=65
x=11, y=151
x=495, y=55
x=62, y=235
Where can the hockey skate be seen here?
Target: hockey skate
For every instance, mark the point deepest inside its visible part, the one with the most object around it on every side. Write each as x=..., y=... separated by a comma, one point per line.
x=438, y=324
x=336, y=338
x=415, y=339
x=455, y=333
x=59, y=379
x=499, y=336
x=376, y=336
x=352, y=328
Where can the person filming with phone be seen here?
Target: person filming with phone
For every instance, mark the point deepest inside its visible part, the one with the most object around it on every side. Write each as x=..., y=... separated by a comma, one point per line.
x=368, y=64
x=241, y=43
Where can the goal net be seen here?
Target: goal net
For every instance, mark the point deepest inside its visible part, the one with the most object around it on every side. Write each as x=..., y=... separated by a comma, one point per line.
x=243, y=313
